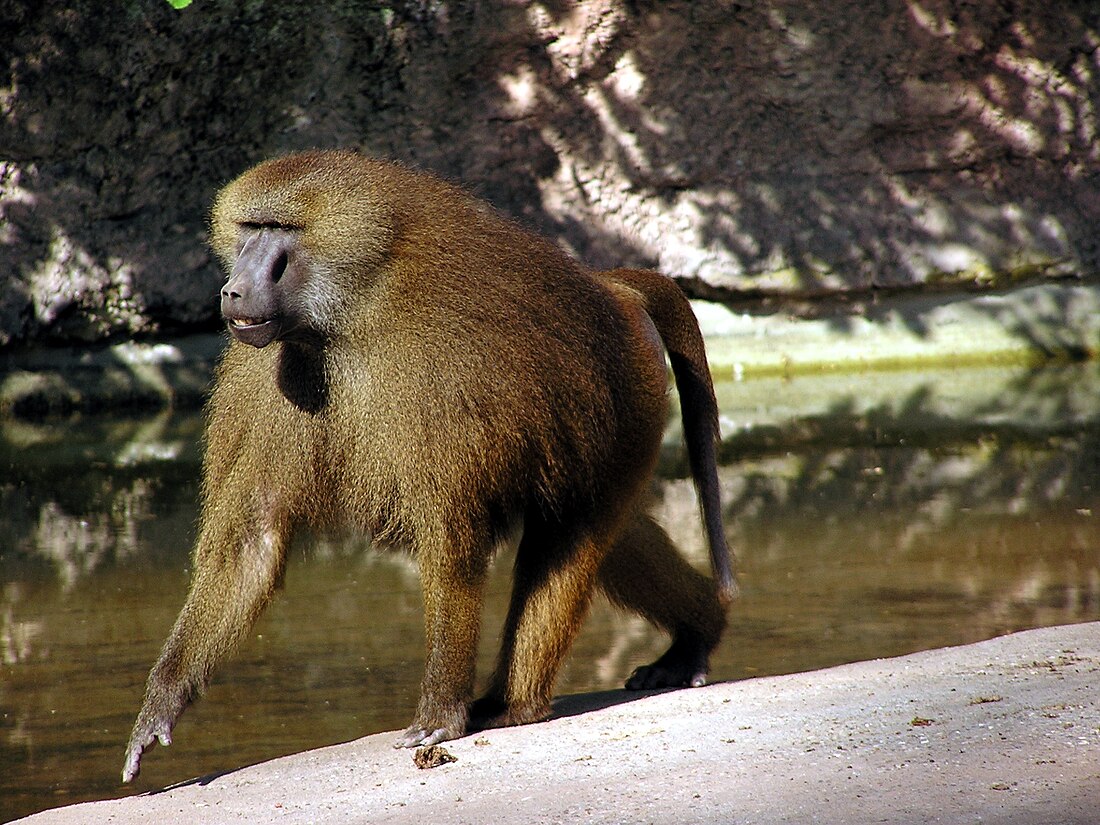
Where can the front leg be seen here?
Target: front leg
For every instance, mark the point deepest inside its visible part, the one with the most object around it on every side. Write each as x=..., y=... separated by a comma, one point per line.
x=452, y=616
x=235, y=574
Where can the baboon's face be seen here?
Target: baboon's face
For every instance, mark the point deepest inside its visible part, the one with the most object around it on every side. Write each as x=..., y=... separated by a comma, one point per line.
x=260, y=300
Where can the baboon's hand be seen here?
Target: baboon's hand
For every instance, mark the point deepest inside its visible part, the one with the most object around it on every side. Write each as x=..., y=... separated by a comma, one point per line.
x=435, y=722
x=150, y=725
x=418, y=737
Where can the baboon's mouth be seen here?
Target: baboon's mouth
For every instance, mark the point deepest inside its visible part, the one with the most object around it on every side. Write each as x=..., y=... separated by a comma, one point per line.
x=257, y=332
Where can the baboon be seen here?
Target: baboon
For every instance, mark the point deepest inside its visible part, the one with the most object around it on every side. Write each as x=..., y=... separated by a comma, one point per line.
x=406, y=361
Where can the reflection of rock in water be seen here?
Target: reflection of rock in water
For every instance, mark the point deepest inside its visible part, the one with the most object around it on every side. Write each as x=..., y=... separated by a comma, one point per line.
x=76, y=545
x=16, y=635
x=926, y=445
x=79, y=492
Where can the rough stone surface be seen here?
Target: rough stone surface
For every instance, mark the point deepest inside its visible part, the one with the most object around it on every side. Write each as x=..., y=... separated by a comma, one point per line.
x=776, y=147
x=1002, y=731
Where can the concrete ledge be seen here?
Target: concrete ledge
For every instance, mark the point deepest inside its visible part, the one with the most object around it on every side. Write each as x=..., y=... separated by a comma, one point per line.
x=1028, y=325
x=131, y=374
x=1004, y=731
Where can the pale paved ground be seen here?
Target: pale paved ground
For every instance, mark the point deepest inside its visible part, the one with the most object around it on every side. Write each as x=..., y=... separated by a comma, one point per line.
x=1005, y=731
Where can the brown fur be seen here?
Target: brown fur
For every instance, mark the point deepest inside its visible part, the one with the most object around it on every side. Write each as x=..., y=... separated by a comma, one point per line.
x=439, y=377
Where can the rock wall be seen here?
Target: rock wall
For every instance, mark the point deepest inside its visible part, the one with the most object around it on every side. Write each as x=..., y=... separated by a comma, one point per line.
x=772, y=148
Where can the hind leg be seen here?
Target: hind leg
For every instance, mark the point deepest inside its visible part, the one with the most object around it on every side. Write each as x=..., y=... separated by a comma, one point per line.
x=645, y=573
x=554, y=583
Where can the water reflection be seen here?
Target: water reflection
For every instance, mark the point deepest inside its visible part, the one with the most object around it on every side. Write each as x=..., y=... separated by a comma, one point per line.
x=873, y=515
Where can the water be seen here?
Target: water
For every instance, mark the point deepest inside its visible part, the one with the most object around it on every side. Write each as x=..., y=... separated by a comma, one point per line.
x=873, y=514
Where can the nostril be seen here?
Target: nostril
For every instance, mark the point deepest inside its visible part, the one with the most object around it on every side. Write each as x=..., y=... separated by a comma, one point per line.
x=231, y=294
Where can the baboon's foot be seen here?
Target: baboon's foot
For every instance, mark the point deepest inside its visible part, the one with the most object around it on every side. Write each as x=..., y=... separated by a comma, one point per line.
x=682, y=665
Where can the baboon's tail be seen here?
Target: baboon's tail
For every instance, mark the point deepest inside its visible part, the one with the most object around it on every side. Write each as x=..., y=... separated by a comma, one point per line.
x=675, y=322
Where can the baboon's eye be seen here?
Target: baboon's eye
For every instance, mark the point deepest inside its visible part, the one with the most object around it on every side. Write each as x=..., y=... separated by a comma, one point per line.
x=278, y=268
